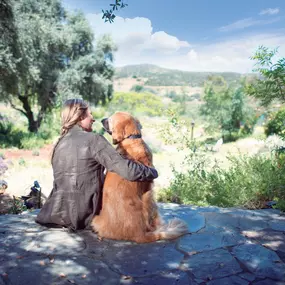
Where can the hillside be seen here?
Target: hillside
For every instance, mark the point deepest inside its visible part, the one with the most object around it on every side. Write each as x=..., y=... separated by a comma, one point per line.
x=158, y=76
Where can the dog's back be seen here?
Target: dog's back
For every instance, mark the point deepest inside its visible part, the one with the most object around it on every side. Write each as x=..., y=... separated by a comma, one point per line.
x=123, y=202
x=129, y=211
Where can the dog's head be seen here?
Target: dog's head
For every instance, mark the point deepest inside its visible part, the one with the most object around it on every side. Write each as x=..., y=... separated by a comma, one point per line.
x=121, y=125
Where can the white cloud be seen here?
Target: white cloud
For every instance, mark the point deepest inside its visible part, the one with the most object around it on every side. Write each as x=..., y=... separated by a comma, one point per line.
x=270, y=11
x=229, y=55
x=245, y=23
x=137, y=43
x=163, y=41
x=192, y=55
x=136, y=35
x=241, y=24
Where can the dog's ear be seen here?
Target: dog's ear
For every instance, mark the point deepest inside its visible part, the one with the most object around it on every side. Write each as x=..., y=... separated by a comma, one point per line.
x=124, y=129
x=138, y=124
x=132, y=127
x=118, y=133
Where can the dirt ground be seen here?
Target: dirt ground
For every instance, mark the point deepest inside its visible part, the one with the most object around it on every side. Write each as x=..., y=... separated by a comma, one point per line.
x=24, y=167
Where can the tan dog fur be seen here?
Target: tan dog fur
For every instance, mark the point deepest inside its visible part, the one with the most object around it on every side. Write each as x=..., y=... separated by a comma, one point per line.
x=129, y=211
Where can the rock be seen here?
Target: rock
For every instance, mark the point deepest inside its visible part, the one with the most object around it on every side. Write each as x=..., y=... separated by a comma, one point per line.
x=209, y=241
x=212, y=265
x=231, y=280
x=6, y=203
x=260, y=261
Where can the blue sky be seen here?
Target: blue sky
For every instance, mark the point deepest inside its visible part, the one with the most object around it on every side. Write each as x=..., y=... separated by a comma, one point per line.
x=205, y=35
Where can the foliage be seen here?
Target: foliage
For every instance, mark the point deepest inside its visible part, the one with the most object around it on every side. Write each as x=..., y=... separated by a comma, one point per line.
x=51, y=57
x=280, y=205
x=5, y=126
x=178, y=132
x=276, y=124
x=137, y=88
x=181, y=99
x=140, y=88
x=22, y=161
x=199, y=180
x=275, y=142
x=17, y=206
x=271, y=85
x=227, y=109
x=136, y=103
x=109, y=15
x=14, y=136
x=248, y=182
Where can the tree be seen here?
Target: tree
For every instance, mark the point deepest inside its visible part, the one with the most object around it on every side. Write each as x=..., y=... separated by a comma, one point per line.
x=50, y=57
x=271, y=85
x=9, y=49
x=226, y=109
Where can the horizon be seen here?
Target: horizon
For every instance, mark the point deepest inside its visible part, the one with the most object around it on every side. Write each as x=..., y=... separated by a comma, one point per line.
x=188, y=35
x=174, y=69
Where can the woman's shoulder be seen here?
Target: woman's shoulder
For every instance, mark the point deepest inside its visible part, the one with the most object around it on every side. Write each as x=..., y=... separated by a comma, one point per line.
x=94, y=137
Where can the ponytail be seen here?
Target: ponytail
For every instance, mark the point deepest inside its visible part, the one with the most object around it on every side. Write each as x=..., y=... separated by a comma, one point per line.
x=73, y=111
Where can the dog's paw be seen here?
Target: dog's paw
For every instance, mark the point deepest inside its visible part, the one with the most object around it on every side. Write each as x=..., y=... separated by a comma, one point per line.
x=99, y=238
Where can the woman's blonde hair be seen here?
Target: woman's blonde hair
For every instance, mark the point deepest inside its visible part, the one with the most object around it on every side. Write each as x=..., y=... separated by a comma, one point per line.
x=73, y=111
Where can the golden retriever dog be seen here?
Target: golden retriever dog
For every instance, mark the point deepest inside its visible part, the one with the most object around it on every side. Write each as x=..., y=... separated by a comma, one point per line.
x=129, y=211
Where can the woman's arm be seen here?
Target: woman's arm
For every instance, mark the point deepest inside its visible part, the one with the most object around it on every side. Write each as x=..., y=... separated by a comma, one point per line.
x=106, y=155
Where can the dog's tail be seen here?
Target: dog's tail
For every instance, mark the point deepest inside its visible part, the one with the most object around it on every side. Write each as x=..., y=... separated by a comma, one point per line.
x=173, y=229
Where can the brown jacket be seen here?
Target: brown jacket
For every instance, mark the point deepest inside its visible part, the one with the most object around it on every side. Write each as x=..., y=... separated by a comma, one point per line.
x=78, y=164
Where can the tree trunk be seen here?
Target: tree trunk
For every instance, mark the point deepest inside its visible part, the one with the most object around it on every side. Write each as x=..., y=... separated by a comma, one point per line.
x=33, y=124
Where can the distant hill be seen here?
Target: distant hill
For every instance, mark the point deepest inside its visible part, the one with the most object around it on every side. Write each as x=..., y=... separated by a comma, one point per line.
x=158, y=76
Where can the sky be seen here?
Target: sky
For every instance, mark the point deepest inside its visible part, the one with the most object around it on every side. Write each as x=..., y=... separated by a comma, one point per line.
x=192, y=35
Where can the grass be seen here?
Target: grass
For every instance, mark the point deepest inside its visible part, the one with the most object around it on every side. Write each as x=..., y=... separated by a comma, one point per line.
x=249, y=182
x=241, y=180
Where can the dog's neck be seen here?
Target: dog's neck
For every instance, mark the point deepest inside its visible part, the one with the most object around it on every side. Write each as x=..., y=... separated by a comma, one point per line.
x=134, y=137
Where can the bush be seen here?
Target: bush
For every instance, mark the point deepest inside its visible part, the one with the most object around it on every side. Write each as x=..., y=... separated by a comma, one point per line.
x=5, y=125
x=229, y=110
x=136, y=103
x=250, y=182
x=276, y=124
x=13, y=136
x=137, y=88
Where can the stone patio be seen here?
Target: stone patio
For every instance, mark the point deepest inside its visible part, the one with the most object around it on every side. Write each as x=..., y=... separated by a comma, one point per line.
x=224, y=246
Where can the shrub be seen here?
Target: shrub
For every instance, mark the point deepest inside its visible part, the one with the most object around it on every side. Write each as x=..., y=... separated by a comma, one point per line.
x=280, y=205
x=248, y=182
x=14, y=136
x=137, y=88
x=17, y=206
x=33, y=141
x=5, y=125
x=276, y=124
x=229, y=110
x=136, y=103
x=22, y=161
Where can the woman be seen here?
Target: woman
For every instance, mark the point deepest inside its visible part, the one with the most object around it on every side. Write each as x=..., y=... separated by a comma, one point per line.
x=78, y=160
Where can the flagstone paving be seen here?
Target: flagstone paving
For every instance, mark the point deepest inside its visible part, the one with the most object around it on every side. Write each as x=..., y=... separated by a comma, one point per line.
x=223, y=246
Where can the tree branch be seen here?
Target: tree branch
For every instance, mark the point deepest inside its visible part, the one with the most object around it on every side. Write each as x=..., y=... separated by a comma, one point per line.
x=16, y=108
x=109, y=15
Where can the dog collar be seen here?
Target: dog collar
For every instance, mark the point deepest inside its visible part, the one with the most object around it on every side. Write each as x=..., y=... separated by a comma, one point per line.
x=134, y=137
